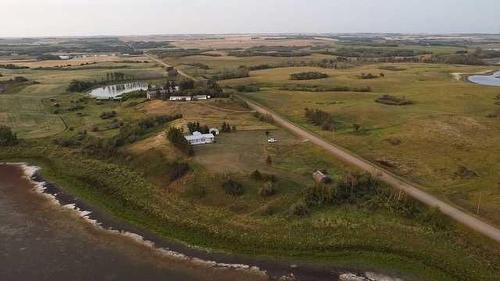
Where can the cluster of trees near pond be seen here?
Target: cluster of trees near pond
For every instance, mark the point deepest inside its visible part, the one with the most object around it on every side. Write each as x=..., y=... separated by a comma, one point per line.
x=111, y=77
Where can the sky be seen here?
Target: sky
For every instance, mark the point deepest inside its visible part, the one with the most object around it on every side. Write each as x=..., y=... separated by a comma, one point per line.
x=21, y=18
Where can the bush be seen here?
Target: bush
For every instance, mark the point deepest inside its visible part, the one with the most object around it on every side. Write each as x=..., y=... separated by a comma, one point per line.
x=267, y=189
x=247, y=88
x=12, y=66
x=268, y=118
x=179, y=170
x=299, y=209
x=7, y=137
x=80, y=86
x=20, y=79
x=392, y=100
x=240, y=72
x=322, y=119
x=368, y=76
x=434, y=218
x=308, y=75
x=233, y=188
x=108, y=115
x=227, y=128
x=258, y=176
x=318, y=195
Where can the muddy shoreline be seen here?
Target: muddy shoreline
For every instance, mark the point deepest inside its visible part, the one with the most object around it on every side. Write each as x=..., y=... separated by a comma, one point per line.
x=262, y=267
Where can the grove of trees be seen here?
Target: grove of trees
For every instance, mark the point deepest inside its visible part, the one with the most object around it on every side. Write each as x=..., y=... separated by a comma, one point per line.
x=7, y=137
x=176, y=137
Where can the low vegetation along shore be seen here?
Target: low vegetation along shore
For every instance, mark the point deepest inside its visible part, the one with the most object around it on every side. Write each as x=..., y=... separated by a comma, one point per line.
x=248, y=195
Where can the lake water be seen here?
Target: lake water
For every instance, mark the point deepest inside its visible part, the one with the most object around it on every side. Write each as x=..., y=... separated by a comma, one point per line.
x=115, y=91
x=487, y=80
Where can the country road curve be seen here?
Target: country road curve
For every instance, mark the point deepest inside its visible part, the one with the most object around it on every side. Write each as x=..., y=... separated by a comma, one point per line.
x=411, y=189
x=168, y=65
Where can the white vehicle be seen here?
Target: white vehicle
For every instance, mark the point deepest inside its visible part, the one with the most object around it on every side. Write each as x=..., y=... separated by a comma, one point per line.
x=272, y=140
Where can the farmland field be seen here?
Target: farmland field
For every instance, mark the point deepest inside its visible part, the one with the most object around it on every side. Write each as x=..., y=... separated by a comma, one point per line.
x=450, y=125
x=244, y=195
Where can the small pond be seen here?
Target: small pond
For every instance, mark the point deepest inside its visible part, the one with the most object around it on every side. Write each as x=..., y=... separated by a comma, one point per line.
x=115, y=91
x=487, y=80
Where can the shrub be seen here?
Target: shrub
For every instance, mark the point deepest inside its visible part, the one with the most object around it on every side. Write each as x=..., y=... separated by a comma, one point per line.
x=247, y=88
x=240, y=72
x=12, y=66
x=268, y=118
x=267, y=189
x=299, y=209
x=269, y=160
x=321, y=118
x=20, y=79
x=7, y=137
x=233, y=188
x=368, y=76
x=392, y=100
x=256, y=175
x=227, y=128
x=179, y=170
x=80, y=86
x=308, y=75
x=108, y=115
x=434, y=218
x=318, y=195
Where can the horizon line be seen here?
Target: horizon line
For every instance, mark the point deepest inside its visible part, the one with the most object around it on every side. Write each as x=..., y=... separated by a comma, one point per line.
x=250, y=33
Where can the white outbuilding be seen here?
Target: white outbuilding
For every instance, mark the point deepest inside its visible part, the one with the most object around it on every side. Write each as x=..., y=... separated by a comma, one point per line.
x=198, y=138
x=180, y=98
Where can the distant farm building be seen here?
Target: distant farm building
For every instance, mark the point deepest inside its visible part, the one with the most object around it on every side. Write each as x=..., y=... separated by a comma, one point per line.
x=189, y=98
x=180, y=98
x=320, y=177
x=198, y=138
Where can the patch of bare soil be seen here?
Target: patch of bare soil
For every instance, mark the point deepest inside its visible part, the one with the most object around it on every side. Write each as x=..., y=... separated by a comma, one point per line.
x=3, y=117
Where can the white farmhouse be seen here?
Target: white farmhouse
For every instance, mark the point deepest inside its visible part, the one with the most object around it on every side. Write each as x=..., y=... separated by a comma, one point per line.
x=199, y=138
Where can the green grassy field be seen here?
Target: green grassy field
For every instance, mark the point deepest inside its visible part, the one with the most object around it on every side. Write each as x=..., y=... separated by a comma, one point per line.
x=217, y=64
x=134, y=183
x=28, y=110
x=446, y=128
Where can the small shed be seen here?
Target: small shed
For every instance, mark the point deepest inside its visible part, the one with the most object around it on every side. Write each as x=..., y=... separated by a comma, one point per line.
x=321, y=177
